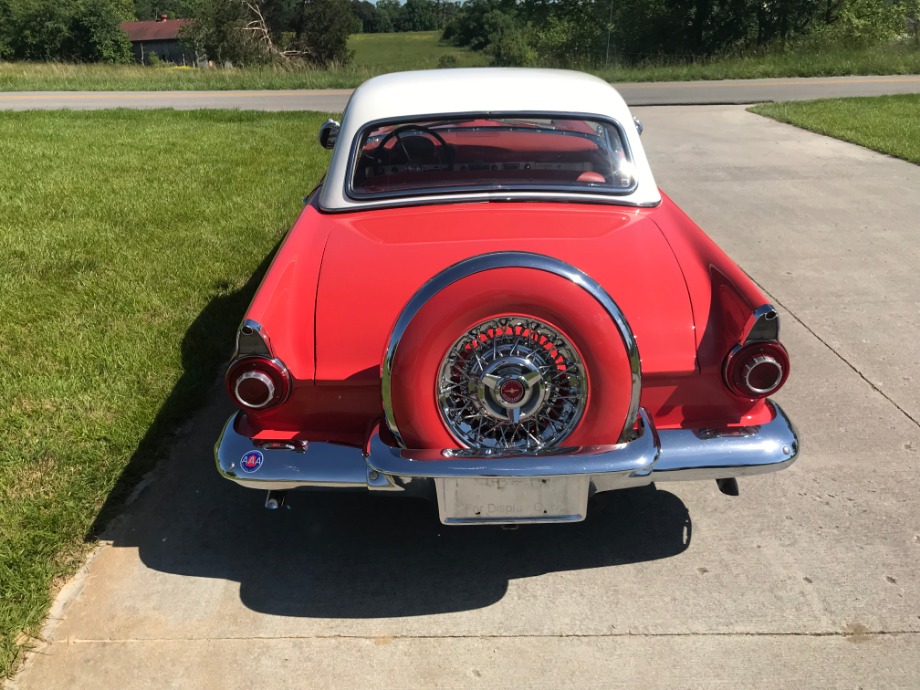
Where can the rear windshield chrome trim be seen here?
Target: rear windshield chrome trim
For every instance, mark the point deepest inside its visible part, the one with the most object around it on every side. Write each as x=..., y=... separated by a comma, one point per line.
x=472, y=198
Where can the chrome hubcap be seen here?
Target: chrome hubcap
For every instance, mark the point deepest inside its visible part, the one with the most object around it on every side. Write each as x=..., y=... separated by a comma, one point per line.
x=511, y=383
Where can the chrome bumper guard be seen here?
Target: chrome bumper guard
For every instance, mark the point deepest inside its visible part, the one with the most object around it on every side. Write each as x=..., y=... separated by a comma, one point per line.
x=652, y=456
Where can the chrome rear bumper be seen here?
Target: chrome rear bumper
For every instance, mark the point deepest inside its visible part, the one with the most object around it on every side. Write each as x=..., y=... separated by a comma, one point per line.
x=653, y=456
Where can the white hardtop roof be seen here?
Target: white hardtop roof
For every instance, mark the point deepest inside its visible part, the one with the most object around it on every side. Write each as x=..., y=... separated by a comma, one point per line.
x=483, y=90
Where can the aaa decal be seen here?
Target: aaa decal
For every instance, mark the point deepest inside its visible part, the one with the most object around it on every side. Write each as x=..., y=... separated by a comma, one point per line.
x=251, y=462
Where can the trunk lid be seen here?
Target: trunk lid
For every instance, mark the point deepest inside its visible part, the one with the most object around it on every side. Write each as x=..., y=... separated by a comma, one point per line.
x=375, y=261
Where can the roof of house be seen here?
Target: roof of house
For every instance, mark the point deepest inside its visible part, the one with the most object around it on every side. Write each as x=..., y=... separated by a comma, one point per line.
x=154, y=30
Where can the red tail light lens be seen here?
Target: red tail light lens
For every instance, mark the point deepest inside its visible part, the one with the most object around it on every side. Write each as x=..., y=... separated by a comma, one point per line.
x=757, y=369
x=258, y=383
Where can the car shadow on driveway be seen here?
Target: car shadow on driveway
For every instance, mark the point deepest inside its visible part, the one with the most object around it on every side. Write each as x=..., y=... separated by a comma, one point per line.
x=345, y=555
x=354, y=555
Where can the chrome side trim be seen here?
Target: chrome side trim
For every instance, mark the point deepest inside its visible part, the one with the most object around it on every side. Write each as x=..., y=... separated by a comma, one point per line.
x=251, y=339
x=762, y=325
x=486, y=262
x=652, y=456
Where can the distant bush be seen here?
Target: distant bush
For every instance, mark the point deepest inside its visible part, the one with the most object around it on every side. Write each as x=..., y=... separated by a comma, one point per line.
x=860, y=23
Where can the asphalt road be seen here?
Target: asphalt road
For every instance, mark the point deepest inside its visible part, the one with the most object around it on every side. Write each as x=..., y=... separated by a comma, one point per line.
x=809, y=579
x=636, y=94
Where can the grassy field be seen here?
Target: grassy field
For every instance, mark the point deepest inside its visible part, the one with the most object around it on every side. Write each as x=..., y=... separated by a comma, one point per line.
x=890, y=124
x=132, y=243
x=379, y=53
x=373, y=54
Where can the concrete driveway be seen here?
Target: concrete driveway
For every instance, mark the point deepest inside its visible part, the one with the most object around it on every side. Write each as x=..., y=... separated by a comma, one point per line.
x=809, y=579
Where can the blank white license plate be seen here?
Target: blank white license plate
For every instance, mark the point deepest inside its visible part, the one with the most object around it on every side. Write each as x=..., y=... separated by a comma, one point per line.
x=501, y=500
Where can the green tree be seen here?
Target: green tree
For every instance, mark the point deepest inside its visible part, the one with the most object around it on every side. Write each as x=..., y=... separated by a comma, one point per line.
x=97, y=34
x=40, y=30
x=469, y=27
x=5, y=19
x=219, y=31
x=388, y=12
x=364, y=13
x=327, y=26
x=252, y=32
x=76, y=31
x=418, y=15
x=509, y=41
x=866, y=22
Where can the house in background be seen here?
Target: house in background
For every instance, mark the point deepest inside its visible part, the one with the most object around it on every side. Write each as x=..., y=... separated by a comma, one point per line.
x=159, y=37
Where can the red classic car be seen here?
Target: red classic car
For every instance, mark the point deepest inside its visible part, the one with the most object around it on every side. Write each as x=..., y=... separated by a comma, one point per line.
x=489, y=303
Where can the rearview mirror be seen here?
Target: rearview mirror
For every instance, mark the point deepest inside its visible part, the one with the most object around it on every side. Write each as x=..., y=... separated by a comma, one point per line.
x=328, y=133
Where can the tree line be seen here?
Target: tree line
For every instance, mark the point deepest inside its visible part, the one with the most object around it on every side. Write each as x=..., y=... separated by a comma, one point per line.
x=68, y=30
x=413, y=15
x=564, y=33
x=226, y=31
x=593, y=33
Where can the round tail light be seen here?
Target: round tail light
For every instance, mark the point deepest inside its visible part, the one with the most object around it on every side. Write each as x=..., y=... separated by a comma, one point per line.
x=757, y=369
x=257, y=383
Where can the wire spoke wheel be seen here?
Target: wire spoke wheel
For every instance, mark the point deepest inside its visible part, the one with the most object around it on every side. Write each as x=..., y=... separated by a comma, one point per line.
x=512, y=384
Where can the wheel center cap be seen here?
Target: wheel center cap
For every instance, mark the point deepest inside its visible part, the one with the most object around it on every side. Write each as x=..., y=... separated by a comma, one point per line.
x=511, y=391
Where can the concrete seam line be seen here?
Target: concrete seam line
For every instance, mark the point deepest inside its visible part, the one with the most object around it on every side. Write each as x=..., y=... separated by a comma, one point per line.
x=599, y=636
x=843, y=359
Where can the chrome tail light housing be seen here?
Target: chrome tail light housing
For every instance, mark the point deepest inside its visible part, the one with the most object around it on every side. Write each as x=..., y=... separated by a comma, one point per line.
x=756, y=369
x=258, y=383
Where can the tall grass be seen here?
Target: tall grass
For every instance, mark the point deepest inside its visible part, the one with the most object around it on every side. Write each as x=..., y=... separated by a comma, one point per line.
x=827, y=61
x=36, y=76
x=380, y=53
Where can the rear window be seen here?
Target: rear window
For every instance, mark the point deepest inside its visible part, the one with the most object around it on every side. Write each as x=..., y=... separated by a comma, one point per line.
x=491, y=153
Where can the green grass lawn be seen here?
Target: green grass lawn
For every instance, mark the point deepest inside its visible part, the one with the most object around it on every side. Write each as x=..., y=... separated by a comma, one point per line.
x=380, y=53
x=890, y=124
x=132, y=243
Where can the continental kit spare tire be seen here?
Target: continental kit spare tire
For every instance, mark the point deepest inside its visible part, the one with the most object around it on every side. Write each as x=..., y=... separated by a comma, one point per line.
x=511, y=351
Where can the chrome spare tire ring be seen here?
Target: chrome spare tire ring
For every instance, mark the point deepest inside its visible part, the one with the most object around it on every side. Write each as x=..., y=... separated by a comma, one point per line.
x=511, y=383
x=499, y=260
